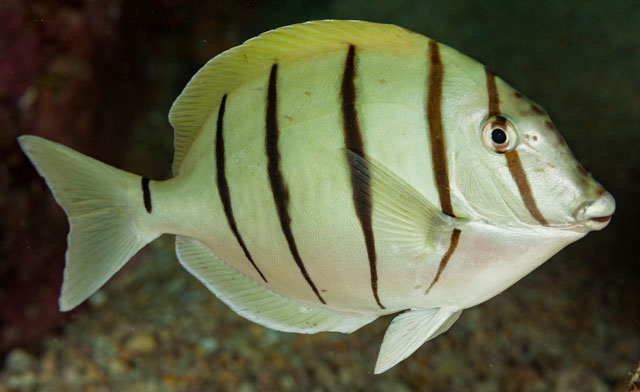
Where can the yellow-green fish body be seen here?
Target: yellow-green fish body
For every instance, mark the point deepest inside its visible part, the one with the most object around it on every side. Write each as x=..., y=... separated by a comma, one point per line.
x=331, y=172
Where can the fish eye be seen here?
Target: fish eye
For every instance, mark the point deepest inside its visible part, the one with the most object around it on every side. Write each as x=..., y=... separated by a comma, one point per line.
x=499, y=134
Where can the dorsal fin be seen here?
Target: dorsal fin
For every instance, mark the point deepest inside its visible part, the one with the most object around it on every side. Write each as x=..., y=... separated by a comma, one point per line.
x=230, y=69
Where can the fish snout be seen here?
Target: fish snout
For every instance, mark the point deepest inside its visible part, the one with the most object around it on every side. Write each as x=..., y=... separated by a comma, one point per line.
x=596, y=214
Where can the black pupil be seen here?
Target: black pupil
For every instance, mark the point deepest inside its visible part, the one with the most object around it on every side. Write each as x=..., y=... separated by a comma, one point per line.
x=498, y=136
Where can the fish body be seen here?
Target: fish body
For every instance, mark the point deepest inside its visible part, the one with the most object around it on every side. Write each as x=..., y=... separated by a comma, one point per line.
x=331, y=172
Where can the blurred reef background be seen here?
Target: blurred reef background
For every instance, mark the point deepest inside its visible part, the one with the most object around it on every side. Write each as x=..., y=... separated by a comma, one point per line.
x=100, y=75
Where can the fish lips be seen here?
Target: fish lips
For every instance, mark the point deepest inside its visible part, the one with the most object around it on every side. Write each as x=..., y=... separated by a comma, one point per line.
x=596, y=214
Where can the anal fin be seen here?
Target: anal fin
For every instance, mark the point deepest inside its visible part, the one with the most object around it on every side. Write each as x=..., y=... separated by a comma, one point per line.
x=409, y=331
x=256, y=302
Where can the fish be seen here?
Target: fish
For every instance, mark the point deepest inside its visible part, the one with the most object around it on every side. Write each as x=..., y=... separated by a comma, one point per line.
x=331, y=172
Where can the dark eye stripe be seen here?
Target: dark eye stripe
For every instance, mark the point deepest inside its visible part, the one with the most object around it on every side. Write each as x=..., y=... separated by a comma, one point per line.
x=520, y=177
x=492, y=90
x=513, y=159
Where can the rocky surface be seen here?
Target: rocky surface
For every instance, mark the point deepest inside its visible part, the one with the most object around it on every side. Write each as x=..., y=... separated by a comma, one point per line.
x=156, y=328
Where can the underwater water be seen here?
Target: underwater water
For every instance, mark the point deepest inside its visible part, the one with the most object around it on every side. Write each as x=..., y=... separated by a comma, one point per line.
x=100, y=77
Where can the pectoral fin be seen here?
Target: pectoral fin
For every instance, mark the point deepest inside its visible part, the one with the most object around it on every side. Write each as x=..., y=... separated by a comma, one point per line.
x=409, y=331
x=401, y=214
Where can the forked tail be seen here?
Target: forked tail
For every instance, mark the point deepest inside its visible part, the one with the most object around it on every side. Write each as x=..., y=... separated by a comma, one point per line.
x=106, y=216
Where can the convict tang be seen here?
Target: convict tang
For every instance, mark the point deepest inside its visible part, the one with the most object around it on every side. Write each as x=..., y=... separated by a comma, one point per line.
x=331, y=172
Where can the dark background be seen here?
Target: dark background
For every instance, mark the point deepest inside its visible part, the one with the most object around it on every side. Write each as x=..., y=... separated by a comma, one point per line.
x=100, y=76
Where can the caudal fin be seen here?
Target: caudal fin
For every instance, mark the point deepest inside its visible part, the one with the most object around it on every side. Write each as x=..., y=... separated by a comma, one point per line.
x=106, y=223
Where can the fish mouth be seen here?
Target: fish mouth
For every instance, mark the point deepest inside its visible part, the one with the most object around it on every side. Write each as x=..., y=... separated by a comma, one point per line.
x=601, y=219
x=585, y=225
x=596, y=214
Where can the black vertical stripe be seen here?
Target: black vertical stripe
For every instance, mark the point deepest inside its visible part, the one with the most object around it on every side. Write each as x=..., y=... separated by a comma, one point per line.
x=453, y=244
x=438, y=149
x=436, y=133
x=492, y=92
x=278, y=187
x=353, y=142
x=223, y=186
x=513, y=159
x=520, y=177
x=146, y=194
